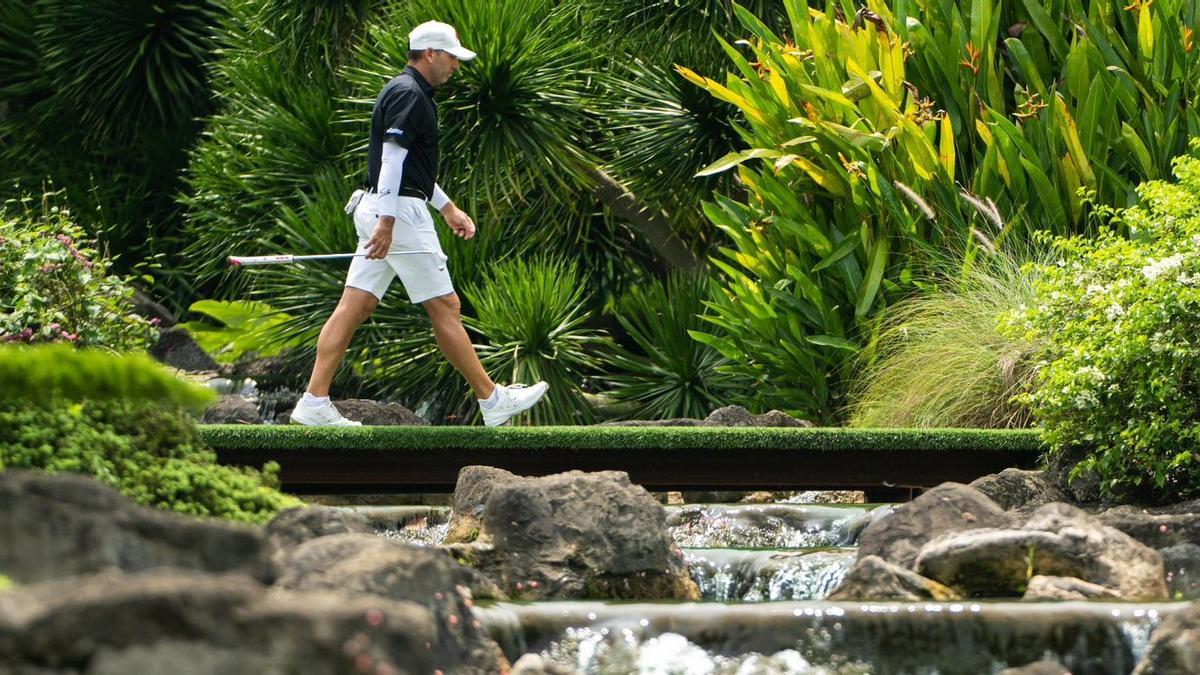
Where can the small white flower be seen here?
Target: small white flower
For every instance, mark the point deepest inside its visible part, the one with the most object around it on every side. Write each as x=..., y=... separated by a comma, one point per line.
x=1114, y=311
x=1155, y=269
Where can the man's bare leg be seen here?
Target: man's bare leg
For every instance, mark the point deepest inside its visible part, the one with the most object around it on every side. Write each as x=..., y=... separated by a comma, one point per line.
x=353, y=309
x=445, y=313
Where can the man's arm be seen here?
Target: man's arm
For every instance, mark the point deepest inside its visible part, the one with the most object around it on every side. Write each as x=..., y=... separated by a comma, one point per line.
x=391, y=171
x=460, y=223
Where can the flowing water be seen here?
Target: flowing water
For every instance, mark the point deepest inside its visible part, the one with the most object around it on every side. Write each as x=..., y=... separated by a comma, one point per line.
x=763, y=571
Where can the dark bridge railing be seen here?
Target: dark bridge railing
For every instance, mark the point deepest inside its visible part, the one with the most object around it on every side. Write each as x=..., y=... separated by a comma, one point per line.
x=887, y=464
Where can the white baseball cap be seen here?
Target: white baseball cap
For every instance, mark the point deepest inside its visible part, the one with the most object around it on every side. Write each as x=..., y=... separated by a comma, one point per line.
x=438, y=35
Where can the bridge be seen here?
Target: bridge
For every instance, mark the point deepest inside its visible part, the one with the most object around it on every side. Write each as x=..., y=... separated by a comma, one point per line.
x=889, y=465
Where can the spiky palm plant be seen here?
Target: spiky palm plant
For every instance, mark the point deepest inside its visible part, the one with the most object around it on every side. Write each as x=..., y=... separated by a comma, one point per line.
x=122, y=68
x=533, y=315
x=669, y=374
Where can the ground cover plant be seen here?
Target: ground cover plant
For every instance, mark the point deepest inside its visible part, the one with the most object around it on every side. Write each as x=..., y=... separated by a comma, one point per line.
x=124, y=420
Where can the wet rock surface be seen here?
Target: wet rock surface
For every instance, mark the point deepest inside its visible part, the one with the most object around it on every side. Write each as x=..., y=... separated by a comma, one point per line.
x=230, y=409
x=293, y=527
x=571, y=535
x=950, y=507
x=53, y=526
x=172, y=622
x=1019, y=489
x=1175, y=646
x=874, y=578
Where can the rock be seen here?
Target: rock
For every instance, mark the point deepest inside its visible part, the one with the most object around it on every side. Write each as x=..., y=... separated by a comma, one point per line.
x=1084, y=488
x=776, y=418
x=1042, y=587
x=534, y=664
x=897, y=536
x=1156, y=528
x=1058, y=540
x=150, y=309
x=674, y=422
x=729, y=416
x=1182, y=563
x=383, y=414
x=58, y=525
x=176, y=348
x=270, y=372
x=172, y=622
x=574, y=535
x=1174, y=646
x=230, y=409
x=471, y=492
x=873, y=578
x=1043, y=667
x=363, y=564
x=1019, y=488
x=293, y=527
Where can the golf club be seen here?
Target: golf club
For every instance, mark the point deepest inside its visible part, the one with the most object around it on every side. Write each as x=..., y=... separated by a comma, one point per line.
x=249, y=260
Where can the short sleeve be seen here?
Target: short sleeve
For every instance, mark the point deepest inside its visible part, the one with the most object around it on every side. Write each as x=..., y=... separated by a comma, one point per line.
x=402, y=118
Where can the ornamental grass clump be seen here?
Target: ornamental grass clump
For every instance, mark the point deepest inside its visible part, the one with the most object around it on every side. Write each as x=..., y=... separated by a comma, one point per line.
x=1118, y=321
x=123, y=420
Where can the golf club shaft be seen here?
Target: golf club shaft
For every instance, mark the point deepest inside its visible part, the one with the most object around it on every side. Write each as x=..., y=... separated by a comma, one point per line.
x=240, y=261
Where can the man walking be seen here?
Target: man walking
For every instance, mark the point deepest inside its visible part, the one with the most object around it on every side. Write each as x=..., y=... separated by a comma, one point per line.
x=396, y=232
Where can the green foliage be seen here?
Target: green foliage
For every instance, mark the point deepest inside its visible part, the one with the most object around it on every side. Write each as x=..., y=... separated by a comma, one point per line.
x=1118, y=321
x=940, y=359
x=103, y=97
x=49, y=373
x=853, y=195
x=533, y=314
x=55, y=287
x=5, y=583
x=670, y=374
x=235, y=327
x=123, y=421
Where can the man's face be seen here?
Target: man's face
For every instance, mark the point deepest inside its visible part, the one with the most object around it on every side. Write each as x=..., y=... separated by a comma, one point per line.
x=443, y=66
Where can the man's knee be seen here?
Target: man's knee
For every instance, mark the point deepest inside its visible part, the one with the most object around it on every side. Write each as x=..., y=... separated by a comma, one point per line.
x=443, y=307
x=356, y=304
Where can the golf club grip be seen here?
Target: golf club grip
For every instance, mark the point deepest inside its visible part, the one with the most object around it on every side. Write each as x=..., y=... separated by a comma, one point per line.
x=240, y=261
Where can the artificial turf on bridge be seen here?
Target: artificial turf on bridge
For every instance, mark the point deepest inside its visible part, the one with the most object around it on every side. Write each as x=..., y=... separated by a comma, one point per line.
x=886, y=463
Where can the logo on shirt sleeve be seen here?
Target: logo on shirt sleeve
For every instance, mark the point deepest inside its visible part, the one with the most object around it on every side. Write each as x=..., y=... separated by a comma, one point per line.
x=394, y=132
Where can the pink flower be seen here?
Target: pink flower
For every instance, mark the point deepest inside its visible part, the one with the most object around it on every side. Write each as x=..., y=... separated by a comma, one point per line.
x=155, y=321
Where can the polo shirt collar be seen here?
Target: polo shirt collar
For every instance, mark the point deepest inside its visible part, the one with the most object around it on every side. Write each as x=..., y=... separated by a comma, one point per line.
x=420, y=79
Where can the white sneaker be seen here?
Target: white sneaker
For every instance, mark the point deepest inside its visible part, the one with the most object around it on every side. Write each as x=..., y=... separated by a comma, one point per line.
x=511, y=401
x=320, y=416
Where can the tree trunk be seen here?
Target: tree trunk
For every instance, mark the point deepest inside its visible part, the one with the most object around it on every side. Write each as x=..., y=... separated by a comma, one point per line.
x=654, y=226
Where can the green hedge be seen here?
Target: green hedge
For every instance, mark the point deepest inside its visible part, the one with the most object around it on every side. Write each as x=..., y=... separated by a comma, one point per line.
x=269, y=437
x=124, y=421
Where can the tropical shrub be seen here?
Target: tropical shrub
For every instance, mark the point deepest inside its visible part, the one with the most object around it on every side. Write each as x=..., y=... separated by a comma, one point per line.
x=532, y=315
x=666, y=373
x=103, y=97
x=231, y=329
x=1117, y=320
x=56, y=286
x=123, y=420
x=940, y=359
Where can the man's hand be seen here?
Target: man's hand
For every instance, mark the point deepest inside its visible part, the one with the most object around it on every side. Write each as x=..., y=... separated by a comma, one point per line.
x=460, y=223
x=381, y=238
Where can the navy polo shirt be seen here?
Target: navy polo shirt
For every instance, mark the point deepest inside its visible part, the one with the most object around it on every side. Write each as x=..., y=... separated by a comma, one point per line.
x=406, y=113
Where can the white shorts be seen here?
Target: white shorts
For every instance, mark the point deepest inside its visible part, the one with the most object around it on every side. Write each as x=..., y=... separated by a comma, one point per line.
x=424, y=275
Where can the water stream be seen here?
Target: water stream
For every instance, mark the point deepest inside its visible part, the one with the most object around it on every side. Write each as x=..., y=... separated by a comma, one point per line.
x=763, y=571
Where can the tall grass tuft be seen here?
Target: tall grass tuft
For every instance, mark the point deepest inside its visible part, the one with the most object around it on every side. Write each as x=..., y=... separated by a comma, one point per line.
x=939, y=360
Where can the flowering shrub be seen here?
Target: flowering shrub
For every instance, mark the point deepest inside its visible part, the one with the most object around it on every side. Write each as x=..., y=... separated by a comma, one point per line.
x=55, y=287
x=1119, y=323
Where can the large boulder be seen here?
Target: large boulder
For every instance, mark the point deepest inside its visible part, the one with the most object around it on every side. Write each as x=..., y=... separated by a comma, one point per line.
x=1057, y=540
x=175, y=622
x=378, y=414
x=176, y=348
x=1174, y=646
x=1156, y=528
x=574, y=535
x=1019, y=489
x=293, y=527
x=471, y=492
x=1042, y=587
x=897, y=536
x=364, y=564
x=873, y=578
x=231, y=409
x=1182, y=563
x=53, y=526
